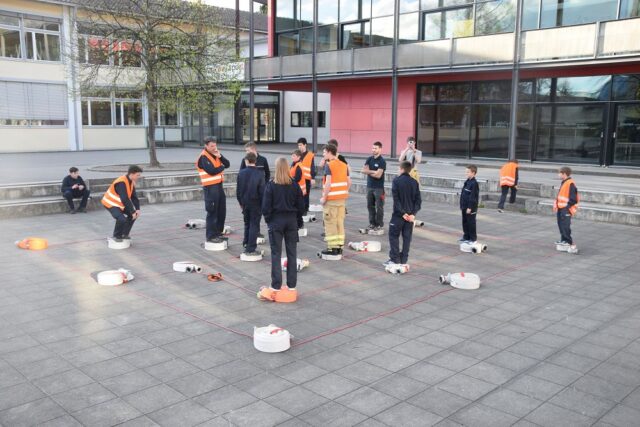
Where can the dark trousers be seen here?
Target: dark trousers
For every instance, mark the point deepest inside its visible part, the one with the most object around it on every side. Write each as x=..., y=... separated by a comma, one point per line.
x=503, y=196
x=77, y=194
x=284, y=226
x=124, y=223
x=306, y=196
x=252, y=215
x=375, y=205
x=399, y=226
x=215, y=202
x=564, y=225
x=469, y=226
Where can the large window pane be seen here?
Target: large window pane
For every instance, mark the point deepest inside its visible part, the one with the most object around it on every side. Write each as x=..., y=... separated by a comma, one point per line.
x=627, y=144
x=530, y=14
x=570, y=133
x=452, y=137
x=46, y=48
x=10, y=43
x=98, y=51
x=495, y=17
x=355, y=35
x=350, y=10
x=626, y=87
x=13, y=21
x=525, y=91
x=37, y=24
x=327, y=38
x=306, y=40
x=328, y=12
x=409, y=6
x=629, y=8
x=454, y=92
x=288, y=44
x=409, y=28
x=524, y=132
x=427, y=93
x=493, y=91
x=131, y=114
x=448, y=24
x=570, y=12
x=305, y=13
x=285, y=17
x=490, y=131
x=590, y=88
x=435, y=4
x=101, y=113
x=382, y=31
x=427, y=128
x=85, y=113
x=381, y=8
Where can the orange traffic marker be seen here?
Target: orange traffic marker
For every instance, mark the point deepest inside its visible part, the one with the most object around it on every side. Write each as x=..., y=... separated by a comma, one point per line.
x=33, y=243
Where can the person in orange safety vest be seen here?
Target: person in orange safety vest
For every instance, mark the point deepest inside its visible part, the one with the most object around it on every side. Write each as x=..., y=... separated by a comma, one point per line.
x=566, y=206
x=211, y=165
x=297, y=171
x=335, y=191
x=508, y=180
x=308, y=170
x=122, y=202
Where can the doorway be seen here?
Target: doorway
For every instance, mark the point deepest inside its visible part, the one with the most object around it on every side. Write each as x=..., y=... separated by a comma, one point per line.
x=265, y=119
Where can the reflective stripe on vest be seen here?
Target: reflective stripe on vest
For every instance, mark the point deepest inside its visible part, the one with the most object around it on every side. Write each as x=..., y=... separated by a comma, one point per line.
x=305, y=164
x=339, y=184
x=508, y=174
x=562, y=200
x=205, y=178
x=301, y=183
x=111, y=198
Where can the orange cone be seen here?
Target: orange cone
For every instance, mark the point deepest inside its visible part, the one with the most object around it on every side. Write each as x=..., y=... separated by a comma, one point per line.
x=286, y=295
x=33, y=243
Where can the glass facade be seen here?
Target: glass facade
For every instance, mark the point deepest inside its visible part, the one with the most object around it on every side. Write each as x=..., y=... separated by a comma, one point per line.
x=593, y=119
x=27, y=37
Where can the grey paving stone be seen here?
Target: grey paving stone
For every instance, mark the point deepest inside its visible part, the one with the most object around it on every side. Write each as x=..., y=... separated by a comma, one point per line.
x=618, y=374
x=296, y=400
x=512, y=361
x=185, y=413
x=107, y=369
x=582, y=403
x=331, y=386
x=399, y=386
x=551, y=415
x=534, y=387
x=405, y=414
x=196, y=384
x=480, y=415
x=633, y=399
x=34, y=412
x=602, y=388
x=417, y=349
x=9, y=376
x=490, y=373
x=452, y=360
x=509, y=401
x=427, y=372
x=573, y=361
x=332, y=414
x=331, y=360
x=466, y=386
x=153, y=398
x=43, y=368
x=439, y=402
x=225, y=399
x=89, y=356
x=149, y=357
x=130, y=382
x=143, y=421
x=367, y=401
x=63, y=421
x=128, y=346
x=391, y=360
x=622, y=416
x=363, y=372
x=441, y=339
x=555, y=374
x=170, y=370
x=63, y=381
x=109, y=413
x=264, y=385
x=83, y=397
x=235, y=371
x=19, y=394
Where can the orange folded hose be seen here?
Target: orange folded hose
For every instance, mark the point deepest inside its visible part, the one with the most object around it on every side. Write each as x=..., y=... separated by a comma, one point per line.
x=33, y=243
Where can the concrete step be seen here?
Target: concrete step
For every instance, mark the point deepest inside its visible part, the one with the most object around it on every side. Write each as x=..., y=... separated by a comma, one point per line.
x=37, y=206
x=617, y=198
x=182, y=194
x=429, y=194
x=438, y=181
x=518, y=206
x=591, y=211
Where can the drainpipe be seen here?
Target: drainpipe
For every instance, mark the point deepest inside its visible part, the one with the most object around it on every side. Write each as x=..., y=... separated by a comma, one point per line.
x=394, y=78
x=251, y=94
x=314, y=81
x=515, y=81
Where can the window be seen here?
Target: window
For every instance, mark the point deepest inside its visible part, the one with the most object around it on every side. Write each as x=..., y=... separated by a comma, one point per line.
x=448, y=24
x=42, y=39
x=327, y=38
x=33, y=104
x=328, y=12
x=10, y=37
x=409, y=28
x=494, y=17
x=119, y=109
x=351, y=10
x=98, y=50
x=571, y=12
x=303, y=119
x=355, y=35
x=288, y=43
x=629, y=8
x=382, y=31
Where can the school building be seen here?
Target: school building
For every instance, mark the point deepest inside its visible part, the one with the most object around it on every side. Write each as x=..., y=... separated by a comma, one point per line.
x=442, y=70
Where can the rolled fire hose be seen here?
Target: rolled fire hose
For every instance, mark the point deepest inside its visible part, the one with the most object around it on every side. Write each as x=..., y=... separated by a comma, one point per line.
x=33, y=243
x=186, y=267
x=114, y=277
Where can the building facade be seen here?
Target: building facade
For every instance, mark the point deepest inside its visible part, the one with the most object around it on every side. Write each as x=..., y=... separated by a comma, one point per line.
x=40, y=109
x=442, y=70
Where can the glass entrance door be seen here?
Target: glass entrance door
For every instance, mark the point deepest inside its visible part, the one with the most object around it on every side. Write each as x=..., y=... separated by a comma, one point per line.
x=626, y=136
x=265, y=121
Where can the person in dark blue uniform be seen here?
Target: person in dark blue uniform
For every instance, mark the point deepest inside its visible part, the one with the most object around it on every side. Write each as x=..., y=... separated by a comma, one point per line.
x=282, y=207
x=375, y=167
x=406, y=203
x=469, y=197
x=261, y=162
x=249, y=191
x=211, y=165
x=73, y=187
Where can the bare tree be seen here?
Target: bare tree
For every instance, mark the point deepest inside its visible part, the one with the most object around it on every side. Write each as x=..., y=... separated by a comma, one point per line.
x=172, y=51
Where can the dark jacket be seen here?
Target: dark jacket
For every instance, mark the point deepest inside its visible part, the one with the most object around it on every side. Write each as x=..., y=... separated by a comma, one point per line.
x=69, y=182
x=250, y=187
x=282, y=199
x=406, y=195
x=204, y=163
x=262, y=165
x=130, y=205
x=573, y=194
x=469, y=195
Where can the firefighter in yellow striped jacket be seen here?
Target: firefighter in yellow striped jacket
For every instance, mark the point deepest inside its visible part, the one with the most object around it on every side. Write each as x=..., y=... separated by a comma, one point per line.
x=122, y=202
x=335, y=191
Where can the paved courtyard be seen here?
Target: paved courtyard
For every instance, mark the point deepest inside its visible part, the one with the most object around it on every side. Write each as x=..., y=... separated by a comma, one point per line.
x=549, y=339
